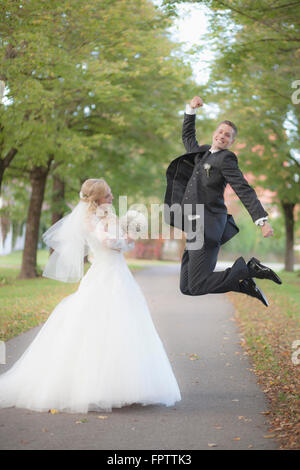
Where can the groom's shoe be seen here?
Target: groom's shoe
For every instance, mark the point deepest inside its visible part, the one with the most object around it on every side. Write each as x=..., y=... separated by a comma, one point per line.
x=248, y=286
x=260, y=271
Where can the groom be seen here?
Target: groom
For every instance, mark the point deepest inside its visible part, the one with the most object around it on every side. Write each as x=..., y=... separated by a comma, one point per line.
x=199, y=177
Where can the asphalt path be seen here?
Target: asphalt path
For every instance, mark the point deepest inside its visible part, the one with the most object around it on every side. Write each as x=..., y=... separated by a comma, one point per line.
x=222, y=406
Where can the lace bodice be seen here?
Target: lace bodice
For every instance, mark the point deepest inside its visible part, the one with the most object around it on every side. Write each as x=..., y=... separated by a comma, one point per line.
x=106, y=234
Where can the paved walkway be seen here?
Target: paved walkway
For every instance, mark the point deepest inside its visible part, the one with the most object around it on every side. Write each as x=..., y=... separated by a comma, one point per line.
x=221, y=406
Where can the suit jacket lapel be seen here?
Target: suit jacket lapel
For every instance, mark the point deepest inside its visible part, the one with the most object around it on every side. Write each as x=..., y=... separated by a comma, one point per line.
x=200, y=158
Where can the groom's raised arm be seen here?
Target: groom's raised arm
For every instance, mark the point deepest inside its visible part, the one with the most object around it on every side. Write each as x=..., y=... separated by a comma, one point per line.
x=188, y=128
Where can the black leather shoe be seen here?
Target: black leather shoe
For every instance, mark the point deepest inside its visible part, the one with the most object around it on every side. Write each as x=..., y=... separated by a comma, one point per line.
x=248, y=286
x=262, y=272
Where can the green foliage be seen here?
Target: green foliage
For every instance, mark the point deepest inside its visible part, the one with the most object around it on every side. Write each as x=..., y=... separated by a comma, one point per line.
x=245, y=241
x=250, y=241
x=95, y=85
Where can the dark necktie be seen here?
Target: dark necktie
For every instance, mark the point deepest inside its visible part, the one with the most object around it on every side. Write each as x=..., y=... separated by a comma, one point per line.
x=199, y=160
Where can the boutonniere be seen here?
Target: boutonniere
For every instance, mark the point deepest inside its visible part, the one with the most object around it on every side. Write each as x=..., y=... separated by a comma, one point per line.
x=207, y=167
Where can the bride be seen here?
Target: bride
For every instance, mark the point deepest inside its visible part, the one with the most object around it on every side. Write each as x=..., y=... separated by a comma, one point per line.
x=99, y=348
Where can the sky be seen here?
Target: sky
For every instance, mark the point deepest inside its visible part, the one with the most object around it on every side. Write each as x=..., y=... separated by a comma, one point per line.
x=189, y=29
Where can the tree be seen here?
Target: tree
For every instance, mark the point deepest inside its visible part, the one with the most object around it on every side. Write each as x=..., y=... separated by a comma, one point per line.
x=94, y=89
x=6, y=156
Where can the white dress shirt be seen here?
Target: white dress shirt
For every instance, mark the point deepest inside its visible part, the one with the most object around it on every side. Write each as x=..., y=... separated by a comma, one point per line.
x=189, y=110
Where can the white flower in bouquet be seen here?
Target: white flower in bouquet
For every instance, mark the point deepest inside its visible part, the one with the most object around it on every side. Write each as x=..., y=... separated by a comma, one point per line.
x=134, y=223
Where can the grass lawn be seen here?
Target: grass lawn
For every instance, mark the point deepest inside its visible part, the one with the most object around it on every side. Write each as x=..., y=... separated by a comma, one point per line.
x=268, y=335
x=14, y=259
x=25, y=303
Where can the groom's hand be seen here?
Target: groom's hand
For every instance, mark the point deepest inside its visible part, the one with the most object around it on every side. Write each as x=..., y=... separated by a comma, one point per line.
x=267, y=230
x=196, y=102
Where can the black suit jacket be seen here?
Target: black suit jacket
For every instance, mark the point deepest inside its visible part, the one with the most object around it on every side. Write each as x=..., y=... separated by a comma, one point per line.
x=209, y=189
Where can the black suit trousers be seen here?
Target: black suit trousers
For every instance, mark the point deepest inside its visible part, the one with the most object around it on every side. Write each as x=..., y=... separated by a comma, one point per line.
x=197, y=276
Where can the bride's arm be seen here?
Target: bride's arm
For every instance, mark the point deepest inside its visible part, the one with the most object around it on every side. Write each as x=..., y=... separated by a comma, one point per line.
x=110, y=234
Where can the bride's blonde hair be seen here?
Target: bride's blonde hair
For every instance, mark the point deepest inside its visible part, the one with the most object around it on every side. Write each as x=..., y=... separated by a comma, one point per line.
x=92, y=191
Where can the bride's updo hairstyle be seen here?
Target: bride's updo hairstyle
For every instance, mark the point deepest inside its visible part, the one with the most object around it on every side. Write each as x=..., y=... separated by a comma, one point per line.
x=92, y=191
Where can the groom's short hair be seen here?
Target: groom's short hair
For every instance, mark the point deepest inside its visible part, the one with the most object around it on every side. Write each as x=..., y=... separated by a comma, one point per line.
x=231, y=124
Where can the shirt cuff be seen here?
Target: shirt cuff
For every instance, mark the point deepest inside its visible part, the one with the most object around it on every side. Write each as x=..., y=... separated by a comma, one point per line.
x=189, y=110
x=258, y=220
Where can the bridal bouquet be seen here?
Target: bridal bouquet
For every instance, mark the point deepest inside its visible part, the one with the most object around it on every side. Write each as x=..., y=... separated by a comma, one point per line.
x=134, y=223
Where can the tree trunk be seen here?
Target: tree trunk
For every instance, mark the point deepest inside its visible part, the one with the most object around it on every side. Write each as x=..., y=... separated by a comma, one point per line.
x=5, y=162
x=2, y=170
x=38, y=178
x=5, y=225
x=288, y=209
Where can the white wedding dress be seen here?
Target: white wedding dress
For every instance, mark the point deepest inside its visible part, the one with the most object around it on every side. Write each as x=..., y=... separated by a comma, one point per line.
x=99, y=348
